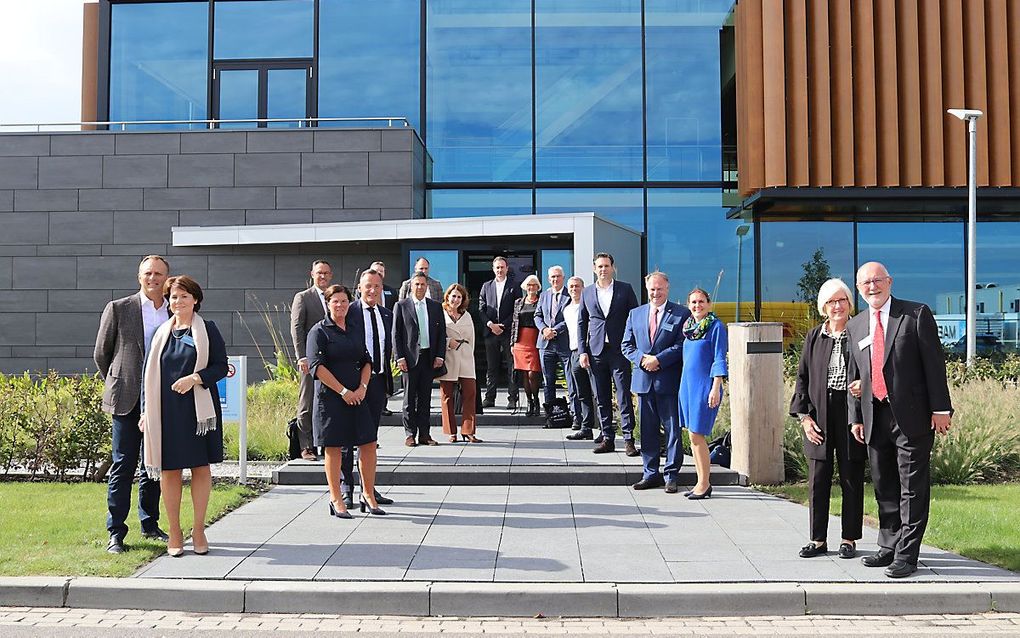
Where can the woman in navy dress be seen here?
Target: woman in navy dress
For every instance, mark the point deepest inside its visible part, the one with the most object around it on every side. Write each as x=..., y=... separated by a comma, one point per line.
x=701, y=382
x=340, y=416
x=192, y=359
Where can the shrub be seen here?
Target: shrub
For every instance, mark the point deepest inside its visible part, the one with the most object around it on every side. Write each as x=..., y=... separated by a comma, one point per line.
x=271, y=404
x=984, y=443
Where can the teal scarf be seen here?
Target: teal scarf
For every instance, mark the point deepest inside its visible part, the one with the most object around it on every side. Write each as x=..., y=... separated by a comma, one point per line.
x=694, y=329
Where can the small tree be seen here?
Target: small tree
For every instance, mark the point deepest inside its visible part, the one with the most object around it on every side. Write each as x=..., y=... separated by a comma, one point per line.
x=816, y=273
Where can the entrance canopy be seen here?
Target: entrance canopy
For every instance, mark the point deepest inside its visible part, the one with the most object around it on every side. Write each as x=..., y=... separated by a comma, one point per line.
x=589, y=232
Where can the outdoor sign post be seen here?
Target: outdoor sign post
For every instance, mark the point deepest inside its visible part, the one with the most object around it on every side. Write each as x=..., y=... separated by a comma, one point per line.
x=233, y=391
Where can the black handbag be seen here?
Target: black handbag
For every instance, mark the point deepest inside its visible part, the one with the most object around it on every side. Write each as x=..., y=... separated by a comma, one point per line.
x=294, y=436
x=557, y=414
x=719, y=451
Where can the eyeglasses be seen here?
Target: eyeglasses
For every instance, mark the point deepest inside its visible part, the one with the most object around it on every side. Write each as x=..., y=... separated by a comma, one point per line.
x=837, y=302
x=873, y=282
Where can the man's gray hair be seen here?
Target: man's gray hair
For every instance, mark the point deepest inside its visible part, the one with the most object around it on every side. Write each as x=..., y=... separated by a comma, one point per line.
x=654, y=274
x=557, y=267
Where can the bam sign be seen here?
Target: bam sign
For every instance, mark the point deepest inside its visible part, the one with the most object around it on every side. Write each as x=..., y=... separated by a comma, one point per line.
x=951, y=330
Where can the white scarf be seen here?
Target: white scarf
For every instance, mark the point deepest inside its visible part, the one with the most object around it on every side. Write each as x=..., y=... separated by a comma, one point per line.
x=152, y=418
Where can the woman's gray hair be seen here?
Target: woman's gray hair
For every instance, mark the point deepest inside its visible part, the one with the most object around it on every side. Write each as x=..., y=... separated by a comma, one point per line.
x=528, y=280
x=829, y=290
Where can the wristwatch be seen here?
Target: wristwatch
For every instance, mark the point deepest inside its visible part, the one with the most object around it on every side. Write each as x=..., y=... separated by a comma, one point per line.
x=344, y=391
x=364, y=385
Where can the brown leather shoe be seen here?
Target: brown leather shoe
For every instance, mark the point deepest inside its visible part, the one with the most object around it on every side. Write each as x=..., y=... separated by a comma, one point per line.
x=308, y=454
x=428, y=441
x=604, y=447
x=631, y=450
x=409, y=441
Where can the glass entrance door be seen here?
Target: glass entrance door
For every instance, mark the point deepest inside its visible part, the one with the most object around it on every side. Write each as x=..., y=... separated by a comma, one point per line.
x=263, y=90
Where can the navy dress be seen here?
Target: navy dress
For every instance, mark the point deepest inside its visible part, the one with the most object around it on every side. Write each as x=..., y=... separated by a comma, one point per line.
x=182, y=448
x=342, y=352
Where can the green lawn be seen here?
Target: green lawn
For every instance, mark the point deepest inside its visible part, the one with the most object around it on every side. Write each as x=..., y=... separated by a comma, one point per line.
x=978, y=521
x=59, y=529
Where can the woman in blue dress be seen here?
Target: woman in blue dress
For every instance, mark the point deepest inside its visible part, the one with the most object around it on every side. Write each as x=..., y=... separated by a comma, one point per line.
x=701, y=382
x=181, y=420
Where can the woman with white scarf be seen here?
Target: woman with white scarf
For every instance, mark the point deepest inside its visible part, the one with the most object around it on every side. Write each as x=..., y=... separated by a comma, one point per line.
x=181, y=419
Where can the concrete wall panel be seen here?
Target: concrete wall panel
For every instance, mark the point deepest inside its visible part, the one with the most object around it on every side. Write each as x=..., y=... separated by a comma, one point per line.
x=127, y=171
x=19, y=172
x=85, y=171
x=80, y=227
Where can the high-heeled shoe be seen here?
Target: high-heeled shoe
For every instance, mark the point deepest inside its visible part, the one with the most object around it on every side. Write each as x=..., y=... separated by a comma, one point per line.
x=175, y=552
x=471, y=438
x=694, y=496
x=200, y=550
x=453, y=438
x=375, y=511
x=333, y=511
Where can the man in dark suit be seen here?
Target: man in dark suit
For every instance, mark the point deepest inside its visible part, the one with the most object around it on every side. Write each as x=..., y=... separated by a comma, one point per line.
x=553, y=340
x=433, y=291
x=605, y=306
x=375, y=322
x=389, y=294
x=653, y=341
x=125, y=332
x=496, y=303
x=308, y=309
x=419, y=340
x=896, y=354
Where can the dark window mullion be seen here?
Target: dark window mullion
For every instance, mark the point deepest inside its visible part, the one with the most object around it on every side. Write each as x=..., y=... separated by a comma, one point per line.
x=263, y=95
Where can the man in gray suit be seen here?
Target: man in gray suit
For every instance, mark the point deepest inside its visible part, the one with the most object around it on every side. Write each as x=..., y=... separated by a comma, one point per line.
x=434, y=291
x=125, y=332
x=308, y=309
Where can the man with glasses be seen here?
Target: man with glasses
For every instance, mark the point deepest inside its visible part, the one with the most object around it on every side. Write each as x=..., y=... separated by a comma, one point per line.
x=896, y=354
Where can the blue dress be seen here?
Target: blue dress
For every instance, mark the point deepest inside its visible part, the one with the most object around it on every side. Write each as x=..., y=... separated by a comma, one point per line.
x=704, y=359
x=342, y=352
x=182, y=448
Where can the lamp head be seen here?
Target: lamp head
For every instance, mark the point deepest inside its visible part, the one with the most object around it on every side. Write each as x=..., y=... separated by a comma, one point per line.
x=742, y=230
x=965, y=114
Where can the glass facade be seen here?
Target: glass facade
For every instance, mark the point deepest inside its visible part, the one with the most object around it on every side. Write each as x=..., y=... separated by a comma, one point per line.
x=284, y=28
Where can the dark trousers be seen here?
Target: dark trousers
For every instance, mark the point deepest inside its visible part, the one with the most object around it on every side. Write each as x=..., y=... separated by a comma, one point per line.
x=551, y=358
x=902, y=477
x=608, y=369
x=418, y=397
x=306, y=394
x=662, y=410
x=375, y=396
x=582, y=401
x=127, y=445
x=499, y=357
x=851, y=476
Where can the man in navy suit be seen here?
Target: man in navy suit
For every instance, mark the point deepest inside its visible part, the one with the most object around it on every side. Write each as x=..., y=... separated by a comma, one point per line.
x=605, y=306
x=654, y=342
x=496, y=303
x=419, y=343
x=375, y=322
x=553, y=340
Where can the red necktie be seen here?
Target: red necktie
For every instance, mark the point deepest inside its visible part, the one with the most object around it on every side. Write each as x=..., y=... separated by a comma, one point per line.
x=878, y=389
x=653, y=324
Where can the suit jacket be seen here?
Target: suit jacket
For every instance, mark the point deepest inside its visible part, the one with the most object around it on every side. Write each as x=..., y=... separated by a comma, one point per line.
x=389, y=297
x=120, y=353
x=405, y=330
x=595, y=329
x=548, y=316
x=435, y=290
x=811, y=394
x=487, y=304
x=356, y=317
x=305, y=311
x=914, y=369
x=667, y=346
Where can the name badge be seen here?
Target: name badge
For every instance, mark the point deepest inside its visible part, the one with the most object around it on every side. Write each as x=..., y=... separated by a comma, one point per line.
x=864, y=343
x=188, y=340
x=667, y=327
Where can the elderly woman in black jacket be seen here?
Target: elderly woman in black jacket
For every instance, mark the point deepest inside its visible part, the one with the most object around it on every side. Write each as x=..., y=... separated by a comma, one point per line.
x=819, y=402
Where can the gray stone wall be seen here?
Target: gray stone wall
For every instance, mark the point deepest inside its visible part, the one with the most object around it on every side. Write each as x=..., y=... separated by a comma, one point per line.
x=79, y=209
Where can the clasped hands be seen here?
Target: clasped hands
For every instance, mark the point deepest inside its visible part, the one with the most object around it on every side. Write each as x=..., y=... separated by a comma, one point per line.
x=354, y=397
x=650, y=363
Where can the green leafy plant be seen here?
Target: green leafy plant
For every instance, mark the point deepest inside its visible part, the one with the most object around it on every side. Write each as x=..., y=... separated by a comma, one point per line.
x=280, y=366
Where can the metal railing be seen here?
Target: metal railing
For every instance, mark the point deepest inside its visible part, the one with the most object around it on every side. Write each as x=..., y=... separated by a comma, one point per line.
x=302, y=122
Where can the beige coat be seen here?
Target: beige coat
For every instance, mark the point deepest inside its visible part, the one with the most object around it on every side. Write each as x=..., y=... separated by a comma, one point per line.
x=460, y=363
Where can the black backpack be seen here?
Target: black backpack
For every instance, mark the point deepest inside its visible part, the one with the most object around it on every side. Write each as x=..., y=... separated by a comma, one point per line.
x=557, y=414
x=294, y=435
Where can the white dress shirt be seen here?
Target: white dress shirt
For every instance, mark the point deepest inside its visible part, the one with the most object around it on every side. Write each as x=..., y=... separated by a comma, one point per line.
x=500, y=287
x=605, y=297
x=885, y=319
x=152, y=318
x=570, y=313
x=370, y=336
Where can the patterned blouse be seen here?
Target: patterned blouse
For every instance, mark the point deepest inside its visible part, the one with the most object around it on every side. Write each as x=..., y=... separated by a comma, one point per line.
x=836, y=377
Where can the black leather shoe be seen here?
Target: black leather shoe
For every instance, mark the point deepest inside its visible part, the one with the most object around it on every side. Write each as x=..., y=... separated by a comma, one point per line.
x=156, y=534
x=847, y=550
x=581, y=435
x=382, y=500
x=387, y=412
x=116, y=545
x=882, y=558
x=694, y=496
x=630, y=450
x=605, y=447
x=489, y=403
x=349, y=500
x=811, y=550
x=900, y=569
x=671, y=487
x=511, y=404
x=575, y=427
x=649, y=483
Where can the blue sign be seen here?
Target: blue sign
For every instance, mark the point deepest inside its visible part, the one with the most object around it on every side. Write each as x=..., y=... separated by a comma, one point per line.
x=231, y=388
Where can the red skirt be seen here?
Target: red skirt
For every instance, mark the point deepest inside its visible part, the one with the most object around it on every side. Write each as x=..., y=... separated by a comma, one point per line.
x=526, y=352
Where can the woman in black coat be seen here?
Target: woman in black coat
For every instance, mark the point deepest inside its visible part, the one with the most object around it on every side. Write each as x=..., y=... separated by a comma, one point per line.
x=819, y=402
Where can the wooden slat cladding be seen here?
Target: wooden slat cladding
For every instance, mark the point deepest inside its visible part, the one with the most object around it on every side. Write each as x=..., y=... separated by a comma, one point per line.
x=855, y=92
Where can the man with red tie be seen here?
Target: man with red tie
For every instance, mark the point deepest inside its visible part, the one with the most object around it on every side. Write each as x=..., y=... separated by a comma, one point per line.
x=896, y=353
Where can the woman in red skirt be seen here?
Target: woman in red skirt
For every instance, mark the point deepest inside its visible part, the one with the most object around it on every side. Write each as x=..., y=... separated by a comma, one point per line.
x=524, y=336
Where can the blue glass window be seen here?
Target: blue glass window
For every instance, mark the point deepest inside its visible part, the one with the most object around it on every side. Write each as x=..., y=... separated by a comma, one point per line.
x=479, y=202
x=588, y=90
x=998, y=274
x=787, y=246
x=239, y=97
x=684, y=114
x=158, y=59
x=369, y=59
x=479, y=90
x=624, y=206
x=444, y=265
x=249, y=29
x=285, y=96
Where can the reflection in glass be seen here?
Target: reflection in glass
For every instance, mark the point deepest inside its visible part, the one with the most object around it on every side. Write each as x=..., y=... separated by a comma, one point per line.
x=684, y=114
x=285, y=96
x=482, y=202
x=588, y=90
x=368, y=59
x=239, y=97
x=479, y=90
x=158, y=58
x=247, y=29
x=624, y=206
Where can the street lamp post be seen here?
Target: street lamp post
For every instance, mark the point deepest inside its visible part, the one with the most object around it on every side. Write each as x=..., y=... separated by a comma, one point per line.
x=741, y=231
x=971, y=116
